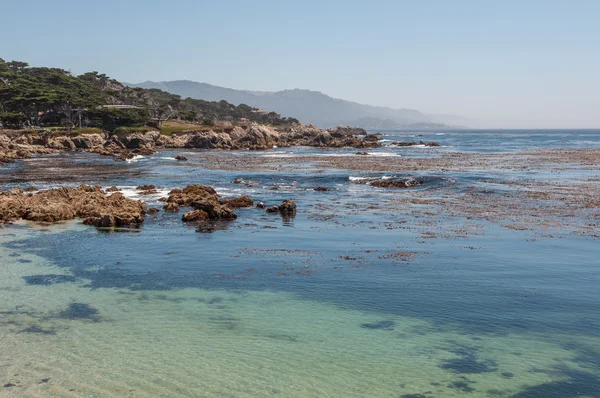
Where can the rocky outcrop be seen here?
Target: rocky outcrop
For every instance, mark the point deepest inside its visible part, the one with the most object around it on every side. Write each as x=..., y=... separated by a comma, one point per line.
x=242, y=201
x=413, y=143
x=346, y=130
x=409, y=183
x=288, y=207
x=88, y=141
x=195, y=215
x=88, y=203
x=123, y=146
x=201, y=197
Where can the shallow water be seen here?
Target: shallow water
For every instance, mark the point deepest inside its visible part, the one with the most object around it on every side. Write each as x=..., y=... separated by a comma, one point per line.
x=353, y=297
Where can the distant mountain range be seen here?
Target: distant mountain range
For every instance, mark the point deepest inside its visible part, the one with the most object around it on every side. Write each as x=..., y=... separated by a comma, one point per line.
x=310, y=106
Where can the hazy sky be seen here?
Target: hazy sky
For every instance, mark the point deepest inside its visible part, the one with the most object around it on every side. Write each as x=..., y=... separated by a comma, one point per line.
x=519, y=63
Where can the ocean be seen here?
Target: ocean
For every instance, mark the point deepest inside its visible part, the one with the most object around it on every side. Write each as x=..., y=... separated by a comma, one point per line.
x=480, y=281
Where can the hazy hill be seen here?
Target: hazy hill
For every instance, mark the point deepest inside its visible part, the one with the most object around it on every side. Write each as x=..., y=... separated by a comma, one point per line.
x=308, y=106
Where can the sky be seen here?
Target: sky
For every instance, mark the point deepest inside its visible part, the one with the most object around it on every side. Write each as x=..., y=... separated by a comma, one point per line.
x=509, y=64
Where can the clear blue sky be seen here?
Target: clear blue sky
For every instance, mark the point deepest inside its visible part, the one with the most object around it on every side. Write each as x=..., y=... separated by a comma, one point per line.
x=520, y=63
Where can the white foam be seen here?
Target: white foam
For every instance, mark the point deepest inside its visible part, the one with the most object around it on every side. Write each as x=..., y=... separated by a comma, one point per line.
x=135, y=158
x=131, y=193
x=384, y=154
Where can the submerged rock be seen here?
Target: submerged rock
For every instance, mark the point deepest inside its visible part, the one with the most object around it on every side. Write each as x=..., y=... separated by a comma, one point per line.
x=181, y=158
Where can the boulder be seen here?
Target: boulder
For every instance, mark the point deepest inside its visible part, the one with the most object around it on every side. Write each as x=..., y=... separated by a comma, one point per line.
x=148, y=187
x=88, y=141
x=288, y=207
x=61, y=143
x=171, y=207
x=194, y=215
x=409, y=183
x=242, y=201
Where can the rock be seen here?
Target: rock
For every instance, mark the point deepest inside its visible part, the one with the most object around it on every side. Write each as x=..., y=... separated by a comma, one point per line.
x=201, y=197
x=31, y=189
x=113, y=144
x=371, y=138
x=171, y=207
x=410, y=183
x=321, y=189
x=85, y=202
x=324, y=138
x=214, y=209
x=261, y=205
x=149, y=192
x=259, y=137
x=140, y=140
x=412, y=143
x=194, y=215
x=346, y=130
x=145, y=187
x=273, y=209
x=152, y=210
x=112, y=189
x=61, y=143
x=362, y=153
x=192, y=193
x=88, y=141
x=242, y=201
x=181, y=158
x=288, y=207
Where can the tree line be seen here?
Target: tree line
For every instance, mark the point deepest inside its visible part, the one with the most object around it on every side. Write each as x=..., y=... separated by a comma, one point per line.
x=41, y=97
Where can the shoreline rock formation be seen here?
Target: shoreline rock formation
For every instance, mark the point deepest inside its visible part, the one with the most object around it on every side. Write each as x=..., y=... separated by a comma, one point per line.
x=111, y=209
x=16, y=145
x=89, y=203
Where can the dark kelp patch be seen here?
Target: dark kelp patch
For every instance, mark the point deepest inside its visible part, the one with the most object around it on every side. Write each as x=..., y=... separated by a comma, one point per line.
x=80, y=311
x=381, y=325
x=50, y=279
x=461, y=385
x=413, y=396
x=467, y=362
x=579, y=384
x=38, y=330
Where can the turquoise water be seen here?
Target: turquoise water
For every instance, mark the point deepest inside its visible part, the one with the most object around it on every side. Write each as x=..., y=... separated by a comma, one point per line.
x=357, y=296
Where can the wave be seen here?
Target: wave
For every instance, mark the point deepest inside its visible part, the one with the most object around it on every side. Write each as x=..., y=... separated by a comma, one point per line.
x=135, y=158
x=130, y=192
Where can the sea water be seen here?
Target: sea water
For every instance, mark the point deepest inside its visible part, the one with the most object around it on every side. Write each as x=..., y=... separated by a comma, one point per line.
x=351, y=298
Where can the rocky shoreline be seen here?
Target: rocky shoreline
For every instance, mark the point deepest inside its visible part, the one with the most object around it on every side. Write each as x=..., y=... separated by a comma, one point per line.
x=16, y=145
x=109, y=208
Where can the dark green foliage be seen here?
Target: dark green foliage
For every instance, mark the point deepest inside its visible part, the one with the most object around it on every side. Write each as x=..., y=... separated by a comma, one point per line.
x=37, y=96
x=12, y=119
